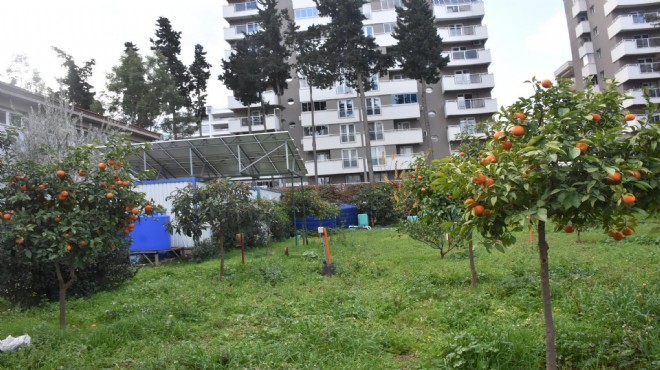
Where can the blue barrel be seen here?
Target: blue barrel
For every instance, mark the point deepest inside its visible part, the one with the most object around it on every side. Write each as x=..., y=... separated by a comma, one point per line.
x=150, y=234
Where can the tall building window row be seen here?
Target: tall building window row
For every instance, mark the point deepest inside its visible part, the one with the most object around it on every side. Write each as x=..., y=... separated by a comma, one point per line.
x=306, y=13
x=318, y=105
x=246, y=6
x=404, y=99
x=321, y=130
x=248, y=28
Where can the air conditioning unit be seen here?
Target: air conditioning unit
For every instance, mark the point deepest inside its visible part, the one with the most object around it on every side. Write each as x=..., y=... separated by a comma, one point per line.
x=477, y=43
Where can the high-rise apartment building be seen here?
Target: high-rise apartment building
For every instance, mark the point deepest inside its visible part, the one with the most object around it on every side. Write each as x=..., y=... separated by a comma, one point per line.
x=456, y=104
x=616, y=39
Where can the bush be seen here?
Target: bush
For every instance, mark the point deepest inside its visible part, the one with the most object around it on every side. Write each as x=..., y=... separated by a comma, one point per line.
x=206, y=250
x=377, y=200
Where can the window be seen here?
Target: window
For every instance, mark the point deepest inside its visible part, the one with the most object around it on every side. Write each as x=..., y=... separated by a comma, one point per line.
x=598, y=54
x=345, y=108
x=380, y=177
x=582, y=17
x=242, y=7
x=376, y=131
x=368, y=30
x=353, y=179
x=595, y=31
x=323, y=156
x=220, y=126
x=3, y=117
x=349, y=158
x=389, y=27
x=588, y=59
x=307, y=13
x=378, y=155
x=320, y=130
x=318, y=105
x=468, y=125
x=343, y=88
x=390, y=4
x=257, y=117
x=247, y=28
x=324, y=180
x=402, y=126
x=404, y=99
x=373, y=80
x=396, y=76
x=602, y=75
x=373, y=106
x=347, y=134
x=455, y=30
x=406, y=150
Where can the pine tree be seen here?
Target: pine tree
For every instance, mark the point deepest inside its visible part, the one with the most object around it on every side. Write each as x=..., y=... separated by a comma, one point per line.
x=127, y=82
x=419, y=50
x=272, y=44
x=74, y=85
x=167, y=43
x=353, y=54
x=199, y=72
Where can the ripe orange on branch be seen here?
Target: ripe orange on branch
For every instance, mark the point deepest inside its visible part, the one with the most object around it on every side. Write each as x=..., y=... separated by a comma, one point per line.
x=518, y=130
x=519, y=116
x=60, y=173
x=629, y=199
x=595, y=117
x=630, y=117
x=614, y=178
x=582, y=146
x=546, y=84
x=569, y=229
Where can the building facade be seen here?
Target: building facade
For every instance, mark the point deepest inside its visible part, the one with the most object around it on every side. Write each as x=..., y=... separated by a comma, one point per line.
x=456, y=104
x=616, y=39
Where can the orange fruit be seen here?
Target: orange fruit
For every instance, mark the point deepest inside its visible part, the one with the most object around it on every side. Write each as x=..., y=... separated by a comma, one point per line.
x=627, y=231
x=148, y=209
x=135, y=210
x=491, y=159
x=20, y=241
x=111, y=162
x=479, y=210
x=595, y=117
x=636, y=174
x=7, y=216
x=423, y=190
x=82, y=173
x=618, y=236
x=68, y=248
x=83, y=243
x=420, y=177
x=57, y=219
x=127, y=231
x=519, y=116
x=568, y=229
x=102, y=166
x=42, y=186
x=507, y=145
x=489, y=182
x=470, y=203
x=462, y=154
x=518, y=130
x=582, y=146
x=546, y=84
x=629, y=199
x=614, y=178
x=109, y=195
x=64, y=193
x=498, y=135
x=24, y=187
x=630, y=117
x=60, y=173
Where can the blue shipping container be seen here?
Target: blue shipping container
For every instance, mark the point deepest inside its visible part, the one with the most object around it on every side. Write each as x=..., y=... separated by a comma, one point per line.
x=150, y=234
x=347, y=217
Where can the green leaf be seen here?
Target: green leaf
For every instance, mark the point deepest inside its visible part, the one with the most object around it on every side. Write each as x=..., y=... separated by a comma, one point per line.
x=574, y=153
x=493, y=200
x=563, y=111
x=542, y=214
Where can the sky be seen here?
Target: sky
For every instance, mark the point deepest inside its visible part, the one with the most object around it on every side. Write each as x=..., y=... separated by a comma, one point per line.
x=526, y=37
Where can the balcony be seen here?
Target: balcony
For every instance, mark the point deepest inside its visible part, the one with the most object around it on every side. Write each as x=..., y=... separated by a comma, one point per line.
x=237, y=11
x=582, y=28
x=589, y=70
x=636, y=47
x=304, y=23
x=586, y=48
x=468, y=57
x=240, y=125
x=269, y=97
x=610, y=5
x=641, y=71
x=384, y=88
x=381, y=16
x=388, y=112
x=468, y=82
x=463, y=34
x=638, y=97
x=462, y=9
x=454, y=132
x=470, y=107
x=630, y=22
x=336, y=166
x=400, y=137
x=385, y=39
x=327, y=142
x=579, y=6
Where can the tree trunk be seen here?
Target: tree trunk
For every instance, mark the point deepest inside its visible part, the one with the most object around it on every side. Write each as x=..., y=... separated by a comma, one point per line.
x=473, y=269
x=550, y=351
x=249, y=118
x=316, y=164
x=221, y=239
x=63, y=287
x=365, y=128
x=426, y=123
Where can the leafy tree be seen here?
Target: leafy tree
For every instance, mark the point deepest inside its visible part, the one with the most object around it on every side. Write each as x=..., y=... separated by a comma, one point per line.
x=75, y=87
x=354, y=55
x=163, y=94
x=312, y=64
x=47, y=206
x=571, y=155
x=18, y=75
x=419, y=49
x=272, y=45
x=168, y=44
x=377, y=201
x=128, y=83
x=199, y=72
x=243, y=75
x=224, y=206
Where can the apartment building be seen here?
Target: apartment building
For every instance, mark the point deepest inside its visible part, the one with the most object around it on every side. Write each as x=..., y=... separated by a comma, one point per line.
x=456, y=104
x=616, y=39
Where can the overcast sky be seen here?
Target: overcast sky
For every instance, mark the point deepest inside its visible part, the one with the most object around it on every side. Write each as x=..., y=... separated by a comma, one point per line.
x=526, y=37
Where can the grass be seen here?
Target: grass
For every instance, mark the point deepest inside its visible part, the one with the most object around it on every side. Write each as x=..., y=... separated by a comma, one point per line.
x=393, y=304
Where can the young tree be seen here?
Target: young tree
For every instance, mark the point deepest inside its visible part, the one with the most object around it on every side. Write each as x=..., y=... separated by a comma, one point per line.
x=75, y=87
x=354, y=55
x=128, y=83
x=47, y=205
x=199, y=72
x=569, y=154
x=313, y=66
x=224, y=206
x=419, y=50
x=168, y=44
x=164, y=94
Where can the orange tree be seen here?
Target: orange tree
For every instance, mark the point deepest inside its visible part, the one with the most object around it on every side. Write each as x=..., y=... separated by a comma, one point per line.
x=563, y=156
x=68, y=212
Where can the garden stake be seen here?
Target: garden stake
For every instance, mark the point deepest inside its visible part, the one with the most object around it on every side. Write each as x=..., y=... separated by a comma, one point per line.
x=328, y=267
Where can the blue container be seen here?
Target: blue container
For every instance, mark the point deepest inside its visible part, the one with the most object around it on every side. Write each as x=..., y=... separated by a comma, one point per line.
x=348, y=215
x=150, y=234
x=363, y=219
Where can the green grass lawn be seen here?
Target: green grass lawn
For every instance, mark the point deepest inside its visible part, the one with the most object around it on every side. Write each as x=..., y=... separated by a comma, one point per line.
x=393, y=304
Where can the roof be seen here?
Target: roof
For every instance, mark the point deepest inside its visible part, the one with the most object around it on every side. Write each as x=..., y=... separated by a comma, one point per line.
x=263, y=155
